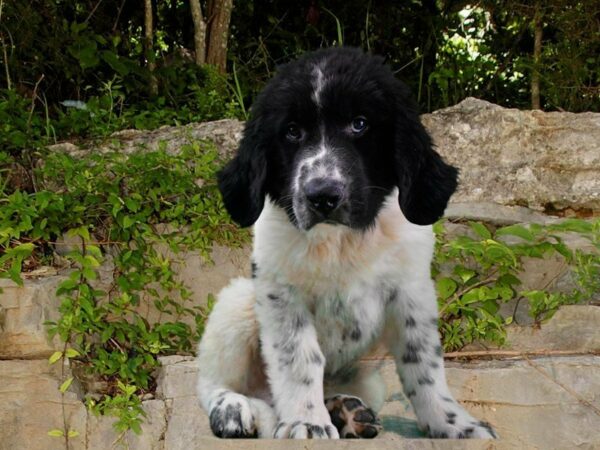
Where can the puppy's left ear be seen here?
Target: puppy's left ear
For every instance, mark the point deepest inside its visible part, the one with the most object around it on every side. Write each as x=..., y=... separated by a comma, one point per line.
x=425, y=181
x=242, y=180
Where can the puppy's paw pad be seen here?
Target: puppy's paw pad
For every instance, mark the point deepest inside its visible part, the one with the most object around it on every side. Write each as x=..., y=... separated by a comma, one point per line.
x=352, y=417
x=304, y=430
x=231, y=417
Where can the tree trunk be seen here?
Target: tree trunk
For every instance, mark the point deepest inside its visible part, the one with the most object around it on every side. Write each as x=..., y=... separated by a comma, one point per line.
x=219, y=15
x=537, y=53
x=199, y=31
x=149, y=44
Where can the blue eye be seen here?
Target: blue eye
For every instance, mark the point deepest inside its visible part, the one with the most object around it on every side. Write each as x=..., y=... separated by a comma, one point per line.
x=359, y=124
x=293, y=132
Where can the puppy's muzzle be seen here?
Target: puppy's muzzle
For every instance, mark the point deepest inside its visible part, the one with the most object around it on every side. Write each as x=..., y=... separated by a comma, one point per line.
x=324, y=195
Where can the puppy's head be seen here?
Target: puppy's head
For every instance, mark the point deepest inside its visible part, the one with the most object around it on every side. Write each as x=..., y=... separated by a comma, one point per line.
x=330, y=137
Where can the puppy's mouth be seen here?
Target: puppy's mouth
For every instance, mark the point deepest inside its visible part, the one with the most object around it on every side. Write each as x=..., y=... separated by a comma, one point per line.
x=307, y=215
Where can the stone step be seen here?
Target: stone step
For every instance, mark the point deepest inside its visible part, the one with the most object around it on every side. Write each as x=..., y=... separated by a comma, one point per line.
x=545, y=403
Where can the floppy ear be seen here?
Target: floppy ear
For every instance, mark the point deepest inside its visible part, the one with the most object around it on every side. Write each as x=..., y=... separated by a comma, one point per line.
x=242, y=180
x=425, y=181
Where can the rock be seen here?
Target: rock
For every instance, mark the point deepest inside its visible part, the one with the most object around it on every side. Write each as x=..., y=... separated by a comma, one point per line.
x=496, y=214
x=188, y=425
x=102, y=435
x=177, y=377
x=31, y=406
x=23, y=311
x=573, y=328
x=546, y=161
x=225, y=134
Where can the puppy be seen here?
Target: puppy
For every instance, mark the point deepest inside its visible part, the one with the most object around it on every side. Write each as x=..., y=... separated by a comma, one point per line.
x=340, y=180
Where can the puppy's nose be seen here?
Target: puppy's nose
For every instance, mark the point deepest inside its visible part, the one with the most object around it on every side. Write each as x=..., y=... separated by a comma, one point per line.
x=323, y=194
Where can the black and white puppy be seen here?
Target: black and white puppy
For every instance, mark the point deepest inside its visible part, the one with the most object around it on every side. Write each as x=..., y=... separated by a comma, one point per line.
x=341, y=182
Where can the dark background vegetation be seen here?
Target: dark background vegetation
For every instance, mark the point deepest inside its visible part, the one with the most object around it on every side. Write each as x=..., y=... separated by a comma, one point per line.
x=94, y=51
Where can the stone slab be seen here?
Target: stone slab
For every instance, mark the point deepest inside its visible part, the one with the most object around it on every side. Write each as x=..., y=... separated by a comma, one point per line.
x=23, y=311
x=30, y=406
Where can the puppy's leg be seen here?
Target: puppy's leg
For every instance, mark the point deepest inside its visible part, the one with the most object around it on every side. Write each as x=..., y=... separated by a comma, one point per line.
x=295, y=364
x=416, y=346
x=228, y=352
x=353, y=400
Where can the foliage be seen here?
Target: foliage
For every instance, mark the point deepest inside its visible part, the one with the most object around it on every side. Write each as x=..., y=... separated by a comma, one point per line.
x=140, y=211
x=477, y=274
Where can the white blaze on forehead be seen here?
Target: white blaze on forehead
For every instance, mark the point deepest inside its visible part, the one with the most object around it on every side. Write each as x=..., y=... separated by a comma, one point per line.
x=318, y=83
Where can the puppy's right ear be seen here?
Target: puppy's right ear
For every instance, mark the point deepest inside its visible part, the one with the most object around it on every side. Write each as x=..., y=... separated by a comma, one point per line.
x=242, y=180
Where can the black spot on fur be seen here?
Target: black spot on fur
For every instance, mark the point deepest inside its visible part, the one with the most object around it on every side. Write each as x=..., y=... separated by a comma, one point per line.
x=307, y=381
x=273, y=297
x=438, y=350
x=314, y=431
x=468, y=431
x=352, y=403
x=448, y=399
x=410, y=322
x=451, y=417
x=438, y=434
x=350, y=435
x=309, y=405
x=336, y=418
x=280, y=425
x=488, y=427
x=425, y=380
x=299, y=322
x=254, y=267
x=316, y=358
x=434, y=321
x=393, y=295
x=411, y=353
x=411, y=393
x=221, y=421
x=356, y=334
x=434, y=365
x=366, y=415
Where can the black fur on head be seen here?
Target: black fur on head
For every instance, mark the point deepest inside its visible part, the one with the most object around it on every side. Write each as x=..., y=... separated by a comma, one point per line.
x=329, y=138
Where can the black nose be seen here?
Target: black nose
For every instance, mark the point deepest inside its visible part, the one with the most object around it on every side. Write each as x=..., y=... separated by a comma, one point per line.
x=324, y=195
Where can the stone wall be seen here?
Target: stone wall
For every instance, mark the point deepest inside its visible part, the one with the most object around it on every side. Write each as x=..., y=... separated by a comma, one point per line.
x=516, y=166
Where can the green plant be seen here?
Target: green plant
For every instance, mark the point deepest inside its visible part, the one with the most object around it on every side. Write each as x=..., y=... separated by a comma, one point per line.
x=475, y=275
x=142, y=211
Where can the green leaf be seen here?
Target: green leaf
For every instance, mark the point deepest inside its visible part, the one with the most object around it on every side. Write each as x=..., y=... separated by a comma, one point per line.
x=73, y=433
x=516, y=230
x=128, y=221
x=55, y=357
x=480, y=229
x=63, y=387
x=464, y=273
x=446, y=287
x=56, y=433
x=71, y=353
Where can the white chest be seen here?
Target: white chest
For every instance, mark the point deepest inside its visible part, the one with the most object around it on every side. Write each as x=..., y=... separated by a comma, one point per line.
x=348, y=325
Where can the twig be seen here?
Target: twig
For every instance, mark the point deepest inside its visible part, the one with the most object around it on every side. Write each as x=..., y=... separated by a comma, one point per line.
x=499, y=354
x=477, y=354
x=92, y=12
x=33, y=98
x=463, y=291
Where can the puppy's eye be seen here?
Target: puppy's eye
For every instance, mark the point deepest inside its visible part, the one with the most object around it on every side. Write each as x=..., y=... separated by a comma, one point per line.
x=359, y=125
x=293, y=132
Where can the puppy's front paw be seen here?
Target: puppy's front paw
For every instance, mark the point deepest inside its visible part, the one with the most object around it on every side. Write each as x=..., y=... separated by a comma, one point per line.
x=305, y=430
x=231, y=417
x=458, y=424
x=352, y=417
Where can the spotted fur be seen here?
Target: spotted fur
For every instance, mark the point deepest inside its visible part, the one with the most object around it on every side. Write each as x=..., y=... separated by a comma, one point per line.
x=341, y=182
